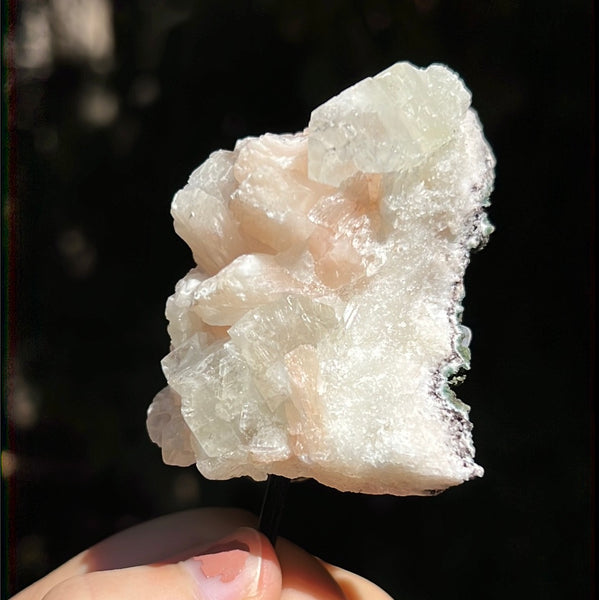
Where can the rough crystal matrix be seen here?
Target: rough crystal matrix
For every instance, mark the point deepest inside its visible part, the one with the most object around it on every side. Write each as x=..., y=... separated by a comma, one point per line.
x=321, y=329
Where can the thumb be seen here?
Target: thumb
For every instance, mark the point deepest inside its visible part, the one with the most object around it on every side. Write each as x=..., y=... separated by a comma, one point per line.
x=241, y=566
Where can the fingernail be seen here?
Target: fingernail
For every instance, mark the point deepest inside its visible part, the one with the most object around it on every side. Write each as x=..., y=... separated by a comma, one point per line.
x=229, y=569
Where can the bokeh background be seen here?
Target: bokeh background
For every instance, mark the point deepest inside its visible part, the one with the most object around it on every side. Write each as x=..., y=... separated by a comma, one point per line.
x=108, y=108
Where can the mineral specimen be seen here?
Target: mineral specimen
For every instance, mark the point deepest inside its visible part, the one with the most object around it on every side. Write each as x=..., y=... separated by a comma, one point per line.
x=320, y=331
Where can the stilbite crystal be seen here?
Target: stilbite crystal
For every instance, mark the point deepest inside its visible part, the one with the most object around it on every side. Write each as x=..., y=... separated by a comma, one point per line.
x=320, y=330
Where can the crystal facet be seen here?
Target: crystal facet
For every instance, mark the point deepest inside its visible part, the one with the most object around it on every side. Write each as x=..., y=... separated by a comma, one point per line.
x=318, y=334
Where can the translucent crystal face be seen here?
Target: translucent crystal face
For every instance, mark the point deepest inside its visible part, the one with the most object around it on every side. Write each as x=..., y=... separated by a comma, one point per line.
x=318, y=333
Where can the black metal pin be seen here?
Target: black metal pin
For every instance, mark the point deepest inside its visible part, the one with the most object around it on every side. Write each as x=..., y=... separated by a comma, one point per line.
x=272, y=506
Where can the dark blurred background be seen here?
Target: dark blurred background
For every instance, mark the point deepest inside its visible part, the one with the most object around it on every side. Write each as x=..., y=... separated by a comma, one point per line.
x=108, y=108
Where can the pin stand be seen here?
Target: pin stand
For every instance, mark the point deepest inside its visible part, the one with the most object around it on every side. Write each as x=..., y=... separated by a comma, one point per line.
x=272, y=506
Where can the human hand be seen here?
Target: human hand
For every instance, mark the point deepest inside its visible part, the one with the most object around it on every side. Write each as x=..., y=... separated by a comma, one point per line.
x=201, y=554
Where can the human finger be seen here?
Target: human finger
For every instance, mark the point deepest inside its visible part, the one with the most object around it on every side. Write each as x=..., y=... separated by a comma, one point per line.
x=355, y=587
x=239, y=567
x=304, y=576
x=170, y=538
x=179, y=536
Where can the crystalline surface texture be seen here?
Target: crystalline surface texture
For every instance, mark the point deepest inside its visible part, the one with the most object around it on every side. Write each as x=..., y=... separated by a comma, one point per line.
x=320, y=329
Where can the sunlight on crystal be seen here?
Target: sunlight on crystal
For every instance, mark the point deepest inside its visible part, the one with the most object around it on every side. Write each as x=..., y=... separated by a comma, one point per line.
x=319, y=334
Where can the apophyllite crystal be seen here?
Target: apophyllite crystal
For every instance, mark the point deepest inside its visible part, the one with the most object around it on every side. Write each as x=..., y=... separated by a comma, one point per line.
x=320, y=331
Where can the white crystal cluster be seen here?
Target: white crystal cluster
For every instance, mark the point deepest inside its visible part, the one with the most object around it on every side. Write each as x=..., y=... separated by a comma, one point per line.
x=321, y=328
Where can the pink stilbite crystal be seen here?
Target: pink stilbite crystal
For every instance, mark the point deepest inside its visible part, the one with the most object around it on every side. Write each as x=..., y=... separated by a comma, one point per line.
x=320, y=330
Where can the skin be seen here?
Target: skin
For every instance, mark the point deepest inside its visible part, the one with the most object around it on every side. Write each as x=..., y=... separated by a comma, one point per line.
x=151, y=561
